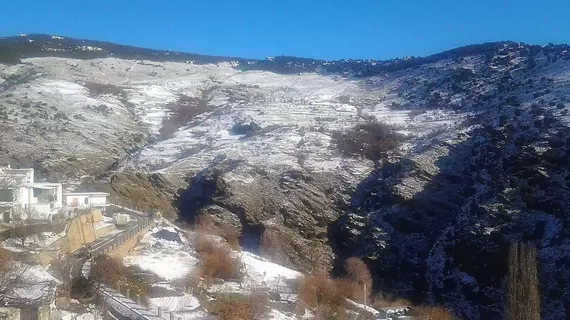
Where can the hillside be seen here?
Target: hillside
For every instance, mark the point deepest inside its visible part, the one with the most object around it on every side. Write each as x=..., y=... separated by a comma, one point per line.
x=475, y=158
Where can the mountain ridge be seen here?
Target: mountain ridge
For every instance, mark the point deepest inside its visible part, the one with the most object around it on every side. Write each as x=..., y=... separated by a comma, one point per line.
x=35, y=45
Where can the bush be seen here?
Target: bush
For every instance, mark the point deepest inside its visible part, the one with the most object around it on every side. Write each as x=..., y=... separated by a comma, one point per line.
x=382, y=301
x=97, y=89
x=109, y=271
x=323, y=295
x=183, y=111
x=372, y=140
x=60, y=115
x=205, y=223
x=431, y=313
x=216, y=260
x=252, y=307
x=5, y=258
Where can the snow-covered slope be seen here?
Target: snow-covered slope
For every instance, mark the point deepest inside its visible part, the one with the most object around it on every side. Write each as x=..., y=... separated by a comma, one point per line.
x=255, y=139
x=168, y=253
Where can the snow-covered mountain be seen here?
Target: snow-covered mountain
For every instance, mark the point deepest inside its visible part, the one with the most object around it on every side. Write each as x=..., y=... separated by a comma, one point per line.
x=255, y=143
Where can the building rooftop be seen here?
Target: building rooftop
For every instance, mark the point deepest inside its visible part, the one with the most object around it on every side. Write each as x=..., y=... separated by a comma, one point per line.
x=95, y=193
x=43, y=185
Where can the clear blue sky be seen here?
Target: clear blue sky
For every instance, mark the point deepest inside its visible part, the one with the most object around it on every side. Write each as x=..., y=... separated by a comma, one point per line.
x=328, y=29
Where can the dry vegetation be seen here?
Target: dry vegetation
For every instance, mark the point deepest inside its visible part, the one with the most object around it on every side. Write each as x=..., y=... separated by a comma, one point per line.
x=523, y=298
x=359, y=278
x=5, y=259
x=371, y=139
x=111, y=272
x=97, y=89
x=216, y=260
x=206, y=224
x=431, y=313
x=382, y=301
x=251, y=307
x=183, y=111
x=324, y=296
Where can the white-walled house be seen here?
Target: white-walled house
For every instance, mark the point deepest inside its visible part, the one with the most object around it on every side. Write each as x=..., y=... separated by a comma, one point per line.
x=85, y=200
x=21, y=195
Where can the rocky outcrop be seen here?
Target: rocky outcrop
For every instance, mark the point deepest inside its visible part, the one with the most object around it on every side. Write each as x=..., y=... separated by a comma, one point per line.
x=286, y=216
x=440, y=221
x=138, y=190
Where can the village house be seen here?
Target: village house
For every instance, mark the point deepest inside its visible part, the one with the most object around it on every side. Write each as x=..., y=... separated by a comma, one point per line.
x=23, y=198
x=29, y=293
x=85, y=200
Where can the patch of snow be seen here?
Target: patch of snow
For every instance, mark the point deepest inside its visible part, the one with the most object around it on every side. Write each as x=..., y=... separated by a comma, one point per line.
x=167, y=259
x=186, y=302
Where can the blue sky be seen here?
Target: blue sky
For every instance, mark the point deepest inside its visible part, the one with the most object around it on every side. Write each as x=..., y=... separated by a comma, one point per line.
x=328, y=29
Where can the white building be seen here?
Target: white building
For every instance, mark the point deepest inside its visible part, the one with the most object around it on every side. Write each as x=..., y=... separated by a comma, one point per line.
x=86, y=200
x=21, y=195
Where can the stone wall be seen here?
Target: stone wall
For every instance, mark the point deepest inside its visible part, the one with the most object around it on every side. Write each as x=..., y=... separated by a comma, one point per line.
x=80, y=231
x=129, y=245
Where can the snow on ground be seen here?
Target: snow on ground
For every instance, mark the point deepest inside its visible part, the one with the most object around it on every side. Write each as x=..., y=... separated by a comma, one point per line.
x=105, y=222
x=32, y=243
x=185, y=302
x=279, y=315
x=31, y=282
x=261, y=272
x=167, y=259
x=68, y=315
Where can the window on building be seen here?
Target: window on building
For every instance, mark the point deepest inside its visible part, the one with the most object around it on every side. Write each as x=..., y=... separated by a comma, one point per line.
x=86, y=200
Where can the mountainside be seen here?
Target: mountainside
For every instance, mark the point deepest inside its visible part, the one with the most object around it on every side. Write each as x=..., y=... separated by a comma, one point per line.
x=295, y=153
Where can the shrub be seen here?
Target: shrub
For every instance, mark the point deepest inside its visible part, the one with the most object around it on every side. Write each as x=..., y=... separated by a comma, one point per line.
x=60, y=115
x=109, y=271
x=323, y=295
x=97, y=89
x=357, y=273
x=252, y=307
x=431, y=313
x=216, y=260
x=205, y=223
x=383, y=301
x=183, y=111
x=5, y=258
x=372, y=140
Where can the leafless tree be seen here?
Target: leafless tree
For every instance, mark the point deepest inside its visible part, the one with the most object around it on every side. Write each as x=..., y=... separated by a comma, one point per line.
x=357, y=272
x=523, y=299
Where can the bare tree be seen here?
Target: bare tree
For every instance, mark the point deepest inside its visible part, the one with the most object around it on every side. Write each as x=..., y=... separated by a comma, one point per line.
x=357, y=272
x=523, y=300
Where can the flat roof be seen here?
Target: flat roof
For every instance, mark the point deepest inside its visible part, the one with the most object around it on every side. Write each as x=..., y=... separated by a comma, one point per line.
x=43, y=185
x=86, y=194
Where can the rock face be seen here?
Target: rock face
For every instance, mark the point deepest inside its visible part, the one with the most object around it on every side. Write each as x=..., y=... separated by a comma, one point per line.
x=441, y=220
x=141, y=191
x=285, y=217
